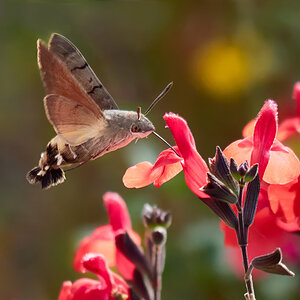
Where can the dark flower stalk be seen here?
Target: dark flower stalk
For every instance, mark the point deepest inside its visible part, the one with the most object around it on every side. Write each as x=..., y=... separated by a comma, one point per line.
x=226, y=182
x=243, y=242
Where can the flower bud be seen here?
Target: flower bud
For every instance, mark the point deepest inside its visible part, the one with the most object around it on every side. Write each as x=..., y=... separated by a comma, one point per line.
x=218, y=190
x=250, y=203
x=243, y=168
x=251, y=174
x=220, y=168
x=153, y=216
x=133, y=252
x=234, y=169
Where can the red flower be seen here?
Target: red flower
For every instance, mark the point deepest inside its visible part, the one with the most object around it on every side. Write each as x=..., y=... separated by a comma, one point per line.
x=167, y=164
x=108, y=287
x=278, y=203
x=285, y=203
x=288, y=127
x=265, y=235
x=277, y=164
x=102, y=240
x=165, y=168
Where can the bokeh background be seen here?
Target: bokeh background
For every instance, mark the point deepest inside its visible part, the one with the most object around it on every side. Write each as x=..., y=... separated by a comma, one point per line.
x=225, y=58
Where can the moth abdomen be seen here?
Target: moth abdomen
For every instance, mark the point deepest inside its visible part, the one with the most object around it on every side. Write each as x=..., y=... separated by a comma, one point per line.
x=48, y=173
x=48, y=178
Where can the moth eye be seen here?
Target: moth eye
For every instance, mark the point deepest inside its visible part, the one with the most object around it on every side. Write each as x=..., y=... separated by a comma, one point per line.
x=135, y=128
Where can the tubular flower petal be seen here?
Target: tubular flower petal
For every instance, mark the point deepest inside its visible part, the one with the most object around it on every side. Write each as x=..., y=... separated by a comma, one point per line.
x=194, y=167
x=264, y=135
x=277, y=164
x=102, y=240
x=288, y=127
x=120, y=221
x=284, y=165
x=83, y=289
x=165, y=168
x=169, y=164
x=285, y=203
x=107, y=287
x=117, y=211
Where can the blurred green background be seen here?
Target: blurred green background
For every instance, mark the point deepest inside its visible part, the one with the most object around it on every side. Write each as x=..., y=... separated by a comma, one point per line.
x=225, y=58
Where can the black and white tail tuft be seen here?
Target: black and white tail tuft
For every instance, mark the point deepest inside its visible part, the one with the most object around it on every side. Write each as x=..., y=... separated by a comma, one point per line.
x=51, y=177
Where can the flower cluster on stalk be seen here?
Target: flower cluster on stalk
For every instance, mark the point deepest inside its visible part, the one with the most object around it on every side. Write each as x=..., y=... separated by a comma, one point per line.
x=259, y=187
x=253, y=186
x=117, y=245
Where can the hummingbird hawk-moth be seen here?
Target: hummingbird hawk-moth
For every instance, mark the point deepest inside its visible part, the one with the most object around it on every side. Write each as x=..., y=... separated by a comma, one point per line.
x=84, y=115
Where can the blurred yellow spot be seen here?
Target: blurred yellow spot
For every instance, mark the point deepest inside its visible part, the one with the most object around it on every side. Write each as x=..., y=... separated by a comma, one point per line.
x=222, y=68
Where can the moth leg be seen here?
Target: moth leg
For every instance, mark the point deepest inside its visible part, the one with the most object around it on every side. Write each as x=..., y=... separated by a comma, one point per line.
x=72, y=152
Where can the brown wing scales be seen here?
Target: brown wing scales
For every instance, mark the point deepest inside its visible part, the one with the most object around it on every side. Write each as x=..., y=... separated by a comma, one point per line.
x=80, y=69
x=72, y=121
x=59, y=80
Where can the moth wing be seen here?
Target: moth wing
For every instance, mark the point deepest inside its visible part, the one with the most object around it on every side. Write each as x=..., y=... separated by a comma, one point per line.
x=72, y=121
x=67, y=52
x=59, y=80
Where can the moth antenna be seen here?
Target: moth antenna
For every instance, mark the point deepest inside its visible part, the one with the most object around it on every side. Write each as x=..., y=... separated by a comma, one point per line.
x=139, y=112
x=158, y=98
x=162, y=139
x=136, y=140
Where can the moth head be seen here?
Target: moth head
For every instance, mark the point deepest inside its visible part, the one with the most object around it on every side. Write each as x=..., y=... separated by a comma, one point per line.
x=141, y=126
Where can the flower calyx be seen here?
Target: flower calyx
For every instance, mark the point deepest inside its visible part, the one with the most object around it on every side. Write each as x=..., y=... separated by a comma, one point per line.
x=216, y=189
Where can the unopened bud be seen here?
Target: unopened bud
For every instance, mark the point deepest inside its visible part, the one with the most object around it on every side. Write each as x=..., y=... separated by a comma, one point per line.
x=132, y=252
x=220, y=168
x=243, y=168
x=218, y=190
x=153, y=216
x=251, y=174
x=250, y=203
x=234, y=170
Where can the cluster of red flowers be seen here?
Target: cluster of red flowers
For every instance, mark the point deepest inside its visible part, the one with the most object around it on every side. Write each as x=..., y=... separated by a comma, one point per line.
x=278, y=209
x=277, y=215
x=98, y=252
x=117, y=245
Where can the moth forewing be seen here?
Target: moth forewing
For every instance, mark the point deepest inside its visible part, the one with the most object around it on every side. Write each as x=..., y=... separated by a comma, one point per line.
x=68, y=53
x=73, y=122
x=59, y=80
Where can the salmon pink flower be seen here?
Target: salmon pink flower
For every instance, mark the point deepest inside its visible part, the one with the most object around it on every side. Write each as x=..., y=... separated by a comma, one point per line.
x=288, y=127
x=169, y=164
x=109, y=285
x=102, y=240
x=277, y=164
x=285, y=203
x=142, y=273
x=165, y=168
x=281, y=176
